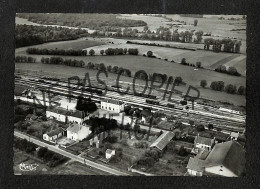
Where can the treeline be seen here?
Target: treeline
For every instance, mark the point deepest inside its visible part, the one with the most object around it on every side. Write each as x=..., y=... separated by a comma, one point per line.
x=25, y=59
x=232, y=89
x=231, y=70
x=111, y=69
x=59, y=60
x=69, y=52
x=51, y=158
x=27, y=35
x=121, y=51
x=24, y=145
x=108, y=22
x=229, y=45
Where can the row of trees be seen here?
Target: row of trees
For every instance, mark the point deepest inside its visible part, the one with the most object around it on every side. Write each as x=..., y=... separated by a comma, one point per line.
x=25, y=59
x=229, y=45
x=27, y=35
x=231, y=70
x=45, y=51
x=114, y=69
x=24, y=145
x=232, y=89
x=59, y=60
x=52, y=159
x=198, y=64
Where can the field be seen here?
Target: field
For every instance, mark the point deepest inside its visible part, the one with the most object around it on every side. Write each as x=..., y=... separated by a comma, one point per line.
x=72, y=44
x=150, y=65
x=209, y=23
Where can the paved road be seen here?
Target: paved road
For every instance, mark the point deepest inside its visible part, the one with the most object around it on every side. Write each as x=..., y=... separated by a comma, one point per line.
x=71, y=156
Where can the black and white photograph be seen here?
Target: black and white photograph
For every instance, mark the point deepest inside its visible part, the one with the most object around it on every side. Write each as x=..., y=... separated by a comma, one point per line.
x=130, y=94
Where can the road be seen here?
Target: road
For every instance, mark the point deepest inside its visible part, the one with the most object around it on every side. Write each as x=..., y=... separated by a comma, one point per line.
x=71, y=156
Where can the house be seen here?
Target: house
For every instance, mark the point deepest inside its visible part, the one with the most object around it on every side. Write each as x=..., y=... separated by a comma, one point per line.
x=76, y=117
x=234, y=136
x=54, y=134
x=202, y=143
x=57, y=113
x=195, y=166
x=225, y=159
x=110, y=153
x=112, y=105
x=144, y=114
x=78, y=132
x=64, y=115
x=162, y=140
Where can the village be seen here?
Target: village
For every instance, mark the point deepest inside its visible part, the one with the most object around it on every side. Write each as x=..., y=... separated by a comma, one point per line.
x=143, y=142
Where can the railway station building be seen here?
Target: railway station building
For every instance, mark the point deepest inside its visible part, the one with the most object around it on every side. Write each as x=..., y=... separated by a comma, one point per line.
x=112, y=105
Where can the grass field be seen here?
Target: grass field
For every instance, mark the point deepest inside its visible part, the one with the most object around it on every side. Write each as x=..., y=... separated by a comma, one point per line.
x=78, y=44
x=190, y=76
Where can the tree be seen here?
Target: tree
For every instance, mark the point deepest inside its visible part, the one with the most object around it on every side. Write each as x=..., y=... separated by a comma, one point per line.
x=241, y=90
x=203, y=83
x=199, y=35
x=145, y=28
x=232, y=89
x=102, y=52
x=210, y=126
x=182, y=151
x=41, y=152
x=183, y=61
x=232, y=70
x=198, y=64
x=149, y=53
x=195, y=22
x=42, y=60
x=200, y=127
x=125, y=50
x=91, y=52
x=178, y=80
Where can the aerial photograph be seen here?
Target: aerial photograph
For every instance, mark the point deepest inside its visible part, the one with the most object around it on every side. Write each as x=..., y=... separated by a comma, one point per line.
x=130, y=94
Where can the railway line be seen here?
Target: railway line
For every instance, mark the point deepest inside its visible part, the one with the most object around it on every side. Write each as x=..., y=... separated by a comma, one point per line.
x=229, y=124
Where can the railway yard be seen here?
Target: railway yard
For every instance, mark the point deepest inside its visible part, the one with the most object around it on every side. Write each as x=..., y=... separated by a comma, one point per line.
x=225, y=120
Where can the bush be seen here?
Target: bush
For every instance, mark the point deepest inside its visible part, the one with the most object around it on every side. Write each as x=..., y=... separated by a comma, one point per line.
x=200, y=128
x=149, y=53
x=203, y=83
x=182, y=151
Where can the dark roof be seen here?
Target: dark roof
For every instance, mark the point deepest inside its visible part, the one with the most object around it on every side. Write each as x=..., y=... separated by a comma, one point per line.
x=195, y=164
x=77, y=113
x=146, y=113
x=18, y=90
x=62, y=111
x=204, y=140
x=58, y=110
x=229, y=154
x=203, y=154
x=163, y=140
x=55, y=132
x=111, y=101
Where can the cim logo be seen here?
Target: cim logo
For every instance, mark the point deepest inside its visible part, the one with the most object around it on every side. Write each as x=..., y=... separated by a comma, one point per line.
x=28, y=167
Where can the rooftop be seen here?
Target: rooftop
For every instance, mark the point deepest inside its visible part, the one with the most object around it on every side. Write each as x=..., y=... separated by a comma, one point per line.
x=109, y=151
x=162, y=140
x=18, y=90
x=195, y=164
x=75, y=128
x=112, y=101
x=146, y=113
x=55, y=132
x=76, y=113
x=204, y=140
x=229, y=154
